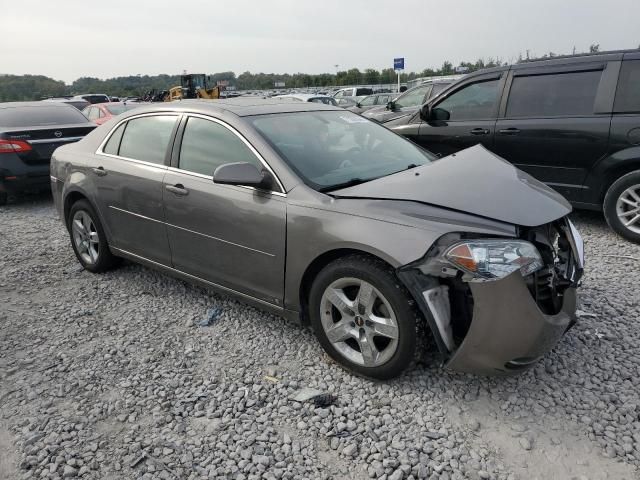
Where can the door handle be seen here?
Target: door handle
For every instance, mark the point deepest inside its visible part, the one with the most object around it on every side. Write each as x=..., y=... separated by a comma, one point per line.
x=509, y=131
x=479, y=131
x=100, y=171
x=177, y=189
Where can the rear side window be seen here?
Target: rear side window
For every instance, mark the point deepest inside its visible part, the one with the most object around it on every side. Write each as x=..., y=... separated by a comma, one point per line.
x=559, y=94
x=628, y=94
x=113, y=144
x=147, y=138
x=206, y=145
x=36, y=116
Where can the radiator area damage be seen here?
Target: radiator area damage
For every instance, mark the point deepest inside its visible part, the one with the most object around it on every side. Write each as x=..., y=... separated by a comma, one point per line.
x=499, y=325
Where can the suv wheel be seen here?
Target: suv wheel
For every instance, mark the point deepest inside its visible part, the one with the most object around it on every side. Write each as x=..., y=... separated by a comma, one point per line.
x=88, y=239
x=622, y=206
x=363, y=317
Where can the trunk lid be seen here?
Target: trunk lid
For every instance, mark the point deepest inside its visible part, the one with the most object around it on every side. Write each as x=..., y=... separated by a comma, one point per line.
x=474, y=181
x=44, y=140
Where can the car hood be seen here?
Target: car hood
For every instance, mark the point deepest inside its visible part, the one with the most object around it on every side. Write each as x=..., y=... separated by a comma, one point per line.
x=474, y=181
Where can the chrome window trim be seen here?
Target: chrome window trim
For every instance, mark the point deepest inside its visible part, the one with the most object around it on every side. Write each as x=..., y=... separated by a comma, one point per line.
x=100, y=150
x=210, y=178
x=242, y=139
x=55, y=140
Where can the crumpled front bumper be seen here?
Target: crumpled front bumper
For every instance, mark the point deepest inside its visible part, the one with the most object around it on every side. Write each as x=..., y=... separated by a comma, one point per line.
x=508, y=331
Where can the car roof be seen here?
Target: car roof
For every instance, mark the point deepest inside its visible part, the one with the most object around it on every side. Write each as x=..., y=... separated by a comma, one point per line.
x=59, y=103
x=303, y=96
x=240, y=106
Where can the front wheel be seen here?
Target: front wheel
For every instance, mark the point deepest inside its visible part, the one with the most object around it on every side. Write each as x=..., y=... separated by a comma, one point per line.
x=88, y=239
x=622, y=206
x=363, y=317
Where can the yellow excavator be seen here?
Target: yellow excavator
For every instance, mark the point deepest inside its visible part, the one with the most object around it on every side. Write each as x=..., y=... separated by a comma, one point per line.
x=193, y=85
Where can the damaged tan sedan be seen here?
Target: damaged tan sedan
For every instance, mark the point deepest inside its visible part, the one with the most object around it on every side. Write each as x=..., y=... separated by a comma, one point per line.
x=319, y=215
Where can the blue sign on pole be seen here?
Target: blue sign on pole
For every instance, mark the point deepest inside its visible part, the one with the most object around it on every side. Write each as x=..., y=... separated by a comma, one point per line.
x=398, y=63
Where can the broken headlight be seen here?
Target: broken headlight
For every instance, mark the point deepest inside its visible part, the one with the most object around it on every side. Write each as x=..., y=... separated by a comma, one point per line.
x=494, y=259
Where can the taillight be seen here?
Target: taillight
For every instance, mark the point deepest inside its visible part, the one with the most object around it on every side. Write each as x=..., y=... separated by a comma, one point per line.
x=14, y=146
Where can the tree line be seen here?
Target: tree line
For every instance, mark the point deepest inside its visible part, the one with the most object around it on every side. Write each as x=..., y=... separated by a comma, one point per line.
x=36, y=87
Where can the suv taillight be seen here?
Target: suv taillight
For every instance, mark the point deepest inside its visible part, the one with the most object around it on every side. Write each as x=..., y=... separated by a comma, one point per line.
x=14, y=146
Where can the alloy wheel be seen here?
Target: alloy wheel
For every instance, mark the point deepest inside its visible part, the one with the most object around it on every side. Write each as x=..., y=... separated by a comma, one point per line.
x=359, y=322
x=628, y=208
x=85, y=237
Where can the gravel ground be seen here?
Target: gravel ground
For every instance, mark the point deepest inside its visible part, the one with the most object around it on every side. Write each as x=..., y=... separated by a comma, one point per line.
x=111, y=377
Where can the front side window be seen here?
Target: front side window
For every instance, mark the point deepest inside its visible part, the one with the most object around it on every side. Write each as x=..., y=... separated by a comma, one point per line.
x=628, y=94
x=437, y=88
x=558, y=94
x=370, y=100
x=413, y=98
x=332, y=149
x=147, y=138
x=472, y=102
x=206, y=145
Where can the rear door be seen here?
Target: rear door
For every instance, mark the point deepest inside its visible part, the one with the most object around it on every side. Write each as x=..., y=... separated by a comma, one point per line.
x=464, y=116
x=232, y=236
x=128, y=172
x=550, y=125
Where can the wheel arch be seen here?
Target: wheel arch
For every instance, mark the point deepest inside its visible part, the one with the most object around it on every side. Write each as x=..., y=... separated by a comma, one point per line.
x=614, y=167
x=316, y=266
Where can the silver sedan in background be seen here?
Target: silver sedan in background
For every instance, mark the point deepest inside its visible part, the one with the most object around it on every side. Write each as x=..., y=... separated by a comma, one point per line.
x=322, y=216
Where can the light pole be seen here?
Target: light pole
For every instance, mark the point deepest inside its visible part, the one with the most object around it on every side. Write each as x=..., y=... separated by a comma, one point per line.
x=336, y=65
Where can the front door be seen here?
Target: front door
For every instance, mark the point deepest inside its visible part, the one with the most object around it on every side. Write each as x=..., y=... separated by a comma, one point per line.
x=128, y=173
x=232, y=236
x=464, y=117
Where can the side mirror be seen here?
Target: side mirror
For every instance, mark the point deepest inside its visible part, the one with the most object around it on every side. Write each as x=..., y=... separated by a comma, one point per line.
x=439, y=114
x=425, y=112
x=242, y=173
x=391, y=105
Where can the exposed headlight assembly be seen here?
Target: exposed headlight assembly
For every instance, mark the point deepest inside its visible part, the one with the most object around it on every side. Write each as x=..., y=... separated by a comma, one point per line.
x=494, y=259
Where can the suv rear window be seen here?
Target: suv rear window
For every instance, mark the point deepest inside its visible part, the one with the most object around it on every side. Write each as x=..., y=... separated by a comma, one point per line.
x=36, y=116
x=628, y=94
x=363, y=91
x=558, y=94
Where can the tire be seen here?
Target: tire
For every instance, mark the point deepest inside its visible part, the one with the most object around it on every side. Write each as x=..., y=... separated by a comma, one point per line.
x=91, y=249
x=372, y=291
x=622, y=205
x=4, y=197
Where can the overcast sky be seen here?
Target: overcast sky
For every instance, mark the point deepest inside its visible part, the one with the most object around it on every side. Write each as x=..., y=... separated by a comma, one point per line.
x=66, y=39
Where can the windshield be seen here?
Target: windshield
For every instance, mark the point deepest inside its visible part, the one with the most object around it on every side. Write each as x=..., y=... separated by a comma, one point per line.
x=330, y=149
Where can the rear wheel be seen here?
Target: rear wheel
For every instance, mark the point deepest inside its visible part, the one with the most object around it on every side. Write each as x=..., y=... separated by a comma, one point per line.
x=88, y=239
x=363, y=317
x=622, y=206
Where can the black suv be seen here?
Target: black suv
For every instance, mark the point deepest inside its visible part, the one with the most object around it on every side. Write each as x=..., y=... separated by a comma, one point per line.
x=572, y=122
